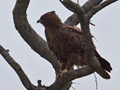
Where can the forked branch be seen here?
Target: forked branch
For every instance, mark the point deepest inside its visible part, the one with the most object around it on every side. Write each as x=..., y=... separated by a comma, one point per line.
x=84, y=13
x=84, y=20
x=30, y=36
x=97, y=8
x=74, y=20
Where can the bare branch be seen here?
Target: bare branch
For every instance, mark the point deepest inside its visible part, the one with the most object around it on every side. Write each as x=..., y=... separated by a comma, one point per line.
x=90, y=4
x=74, y=20
x=89, y=47
x=96, y=81
x=23, y=77
x=72, y=6
x=67, y=86
x=30, y=36
x=69, y=76
x=40, y=46
x=76, y=8
x=97, y=8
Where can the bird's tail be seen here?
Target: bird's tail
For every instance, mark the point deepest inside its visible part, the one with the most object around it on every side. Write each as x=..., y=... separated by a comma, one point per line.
x=104, y=63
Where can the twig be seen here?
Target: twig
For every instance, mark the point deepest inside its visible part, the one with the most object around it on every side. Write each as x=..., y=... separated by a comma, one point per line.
x=76, y=83
x=92, y=24
x=73, y=87
x=96, y=81
x=78, y=2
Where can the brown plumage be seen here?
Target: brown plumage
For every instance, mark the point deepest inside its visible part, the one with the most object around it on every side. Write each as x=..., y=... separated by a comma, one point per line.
x=66, y=42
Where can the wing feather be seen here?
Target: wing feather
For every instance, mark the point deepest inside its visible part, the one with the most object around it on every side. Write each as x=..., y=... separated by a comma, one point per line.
x=71, y=36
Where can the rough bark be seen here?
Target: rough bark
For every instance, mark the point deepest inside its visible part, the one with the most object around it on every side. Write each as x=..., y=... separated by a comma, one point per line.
x=23, y=77
x=82, y=15
x=29, y=35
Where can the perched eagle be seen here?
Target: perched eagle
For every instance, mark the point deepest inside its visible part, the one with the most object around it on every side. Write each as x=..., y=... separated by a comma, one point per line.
x=66, y=42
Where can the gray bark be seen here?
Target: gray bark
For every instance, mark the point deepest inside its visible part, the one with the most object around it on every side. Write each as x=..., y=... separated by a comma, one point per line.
x=82, y=14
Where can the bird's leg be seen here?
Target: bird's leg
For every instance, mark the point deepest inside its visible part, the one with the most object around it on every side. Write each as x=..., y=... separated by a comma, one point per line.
x=69, y=65
x=62, y=69
x=69, y=62
x=62, y=72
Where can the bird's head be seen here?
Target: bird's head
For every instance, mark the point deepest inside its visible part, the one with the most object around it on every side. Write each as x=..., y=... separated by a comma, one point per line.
x=50, y=19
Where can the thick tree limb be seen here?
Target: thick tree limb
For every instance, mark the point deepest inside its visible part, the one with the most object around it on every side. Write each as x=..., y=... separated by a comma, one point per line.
x=73, y=7
x=74, y=20
x=89, y=47
x=71, y=75
x=40, y=46
x=29, y=35
x=67, y=86
x=23, y=77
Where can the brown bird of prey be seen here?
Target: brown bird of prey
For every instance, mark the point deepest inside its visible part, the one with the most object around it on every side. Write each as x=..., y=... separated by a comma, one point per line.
x=67, y=44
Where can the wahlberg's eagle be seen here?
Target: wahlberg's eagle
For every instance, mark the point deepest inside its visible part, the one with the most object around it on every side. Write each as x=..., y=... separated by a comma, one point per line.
x=66, y=42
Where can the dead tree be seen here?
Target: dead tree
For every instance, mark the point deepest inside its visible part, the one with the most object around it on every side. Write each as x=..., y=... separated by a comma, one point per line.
x=82, y=15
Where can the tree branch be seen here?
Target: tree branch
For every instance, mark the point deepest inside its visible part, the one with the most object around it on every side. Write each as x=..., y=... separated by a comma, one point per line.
x=69, y=76
x=74, y=20
x=30, y=36
x=23, y=77
x=74, y=8
x=89, y=51
x=89, y=47
x=97, y=8
x=67, y=86
x=40, y=46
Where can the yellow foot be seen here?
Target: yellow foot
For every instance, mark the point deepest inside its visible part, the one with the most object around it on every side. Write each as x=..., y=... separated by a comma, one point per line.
x=61, y=73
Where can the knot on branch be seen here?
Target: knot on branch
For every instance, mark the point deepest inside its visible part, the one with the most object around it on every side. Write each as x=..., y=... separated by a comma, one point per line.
x=40, y=86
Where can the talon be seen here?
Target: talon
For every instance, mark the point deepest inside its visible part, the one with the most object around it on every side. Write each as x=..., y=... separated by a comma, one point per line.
x=62, y=72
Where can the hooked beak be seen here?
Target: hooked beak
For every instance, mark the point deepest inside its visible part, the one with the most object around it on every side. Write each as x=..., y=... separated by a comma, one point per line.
x=39, y=21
